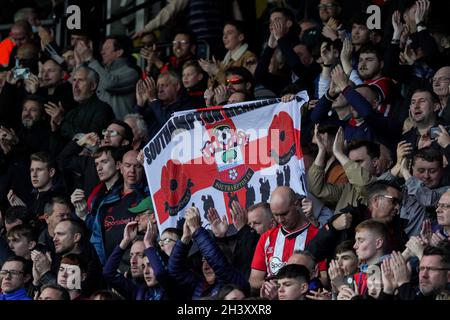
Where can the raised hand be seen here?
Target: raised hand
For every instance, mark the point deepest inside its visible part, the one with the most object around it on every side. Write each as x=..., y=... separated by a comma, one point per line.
x=279, y=29
x=193, y=219
x=129, y=234
x=269, y=290
x=138, y=34
x=78, y=199
x=210, y=67
x=387, y=277
x=404, y=169
x=150, y=235
x=32, y=84
x=14, y=200
x=239, y=215
x=426, y=232
x=287, y=97
x=221, y=94
x=422, y=11
x=402, y=273
x=321, y=144
x=219, y=227
x=343, y=222
x=329, y=32
x=307, y=208
x=56, y=113
x=416, y=246
x=336, y=275
x=327, y=54
x=187, y=235
x=397, y=25
x=339, y=77
x=436, y=239
x=84, y=50
x=320, y=294
x=346, y=55
x=443, y=138
x=347, y=293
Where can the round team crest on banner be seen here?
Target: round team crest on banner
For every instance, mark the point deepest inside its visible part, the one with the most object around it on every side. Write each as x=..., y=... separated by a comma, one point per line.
x=226, y=147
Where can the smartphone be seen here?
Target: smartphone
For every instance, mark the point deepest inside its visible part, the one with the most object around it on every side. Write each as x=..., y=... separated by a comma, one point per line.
x=435, y=130
x=21, y=73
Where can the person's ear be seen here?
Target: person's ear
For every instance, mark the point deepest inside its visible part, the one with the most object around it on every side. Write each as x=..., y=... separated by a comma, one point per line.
x=119, y=53
x=379, y=243
x=118, y=165
x=289, y=23
x=248, y=85
x=304, y=288
x=52, y=172
x=77, y=237
x=241, y=37
x=193, y=48
x=31, y=245
x=83, y=276
x=46, y=217
x=381, y=65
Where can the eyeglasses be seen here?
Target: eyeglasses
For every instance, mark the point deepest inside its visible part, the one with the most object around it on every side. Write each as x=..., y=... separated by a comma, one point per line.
x=181, y=42
x=11, y=273
x=166, y=241
x=111, y=133
x=395, y=200
x=423, y=268
x=442, y=205
x=441, y=79
x=326, y=6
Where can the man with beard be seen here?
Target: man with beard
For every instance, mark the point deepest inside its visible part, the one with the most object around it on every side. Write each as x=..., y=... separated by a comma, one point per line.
x=422, y=109
x=34, y=134
x=69, y=238
x=52, y=86
x=90, y=115
x=370, y=67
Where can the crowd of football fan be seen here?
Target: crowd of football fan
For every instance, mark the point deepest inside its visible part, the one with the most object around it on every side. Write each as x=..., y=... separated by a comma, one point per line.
x=76, y=218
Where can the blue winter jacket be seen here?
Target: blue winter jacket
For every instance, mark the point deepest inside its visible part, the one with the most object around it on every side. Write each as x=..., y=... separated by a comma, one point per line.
x=225, y=273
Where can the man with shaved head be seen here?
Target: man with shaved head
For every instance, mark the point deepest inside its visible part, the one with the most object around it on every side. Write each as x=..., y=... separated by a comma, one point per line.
x=276, y=245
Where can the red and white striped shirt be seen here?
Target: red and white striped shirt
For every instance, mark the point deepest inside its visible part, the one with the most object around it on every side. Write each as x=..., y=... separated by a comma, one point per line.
x=276, y=246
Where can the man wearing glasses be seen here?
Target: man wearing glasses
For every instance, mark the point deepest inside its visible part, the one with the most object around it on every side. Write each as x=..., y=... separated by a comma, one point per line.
x=434, y=275
x=15, y=273
x=329, y=9
x=117, y=134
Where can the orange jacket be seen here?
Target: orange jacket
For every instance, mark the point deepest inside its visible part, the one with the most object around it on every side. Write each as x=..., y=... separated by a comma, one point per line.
x=6, y=47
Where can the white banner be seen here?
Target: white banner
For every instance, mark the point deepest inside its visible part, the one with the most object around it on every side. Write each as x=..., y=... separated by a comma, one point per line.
x=210, y=157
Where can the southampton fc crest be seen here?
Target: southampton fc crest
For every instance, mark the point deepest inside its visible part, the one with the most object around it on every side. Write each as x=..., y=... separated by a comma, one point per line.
x=226, y=147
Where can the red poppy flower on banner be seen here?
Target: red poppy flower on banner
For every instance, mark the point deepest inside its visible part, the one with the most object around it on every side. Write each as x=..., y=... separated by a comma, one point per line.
x=175, y=185
x=283, y=149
